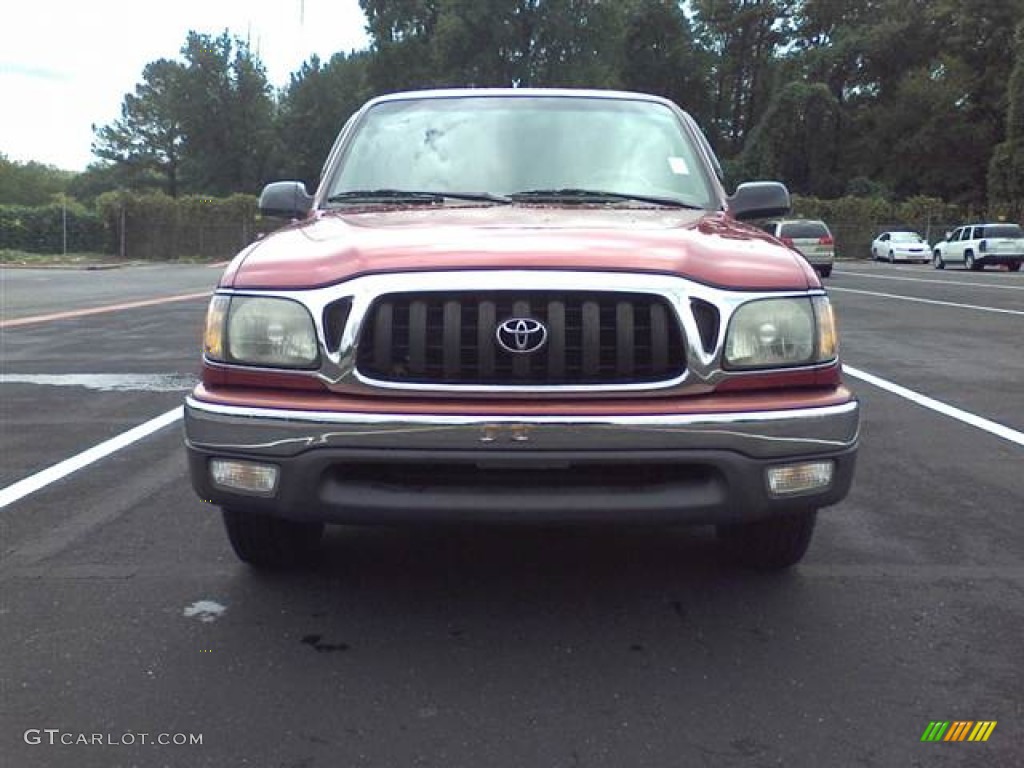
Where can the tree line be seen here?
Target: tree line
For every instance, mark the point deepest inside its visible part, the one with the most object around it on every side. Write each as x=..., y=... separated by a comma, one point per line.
x=885, y=98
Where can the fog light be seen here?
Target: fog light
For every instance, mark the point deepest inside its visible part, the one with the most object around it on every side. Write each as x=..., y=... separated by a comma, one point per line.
x=800, y=478
x=245, y=476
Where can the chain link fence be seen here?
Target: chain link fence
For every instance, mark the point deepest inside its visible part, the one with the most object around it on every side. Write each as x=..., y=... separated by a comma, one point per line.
x=140, y=237
x=160, y=228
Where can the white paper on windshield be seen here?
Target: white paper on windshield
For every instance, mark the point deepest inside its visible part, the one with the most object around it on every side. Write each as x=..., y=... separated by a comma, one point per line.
x=678, y=166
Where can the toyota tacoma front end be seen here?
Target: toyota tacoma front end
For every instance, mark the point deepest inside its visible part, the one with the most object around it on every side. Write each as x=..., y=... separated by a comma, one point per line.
x=521, y=306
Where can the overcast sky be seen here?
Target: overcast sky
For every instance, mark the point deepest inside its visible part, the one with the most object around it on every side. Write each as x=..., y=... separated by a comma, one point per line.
x=67, y=64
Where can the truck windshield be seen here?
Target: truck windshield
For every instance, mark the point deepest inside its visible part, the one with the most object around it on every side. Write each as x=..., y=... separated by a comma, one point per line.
x=504, y=145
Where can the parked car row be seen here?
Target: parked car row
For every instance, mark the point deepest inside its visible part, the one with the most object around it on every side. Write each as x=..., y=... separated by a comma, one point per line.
x=972, y=246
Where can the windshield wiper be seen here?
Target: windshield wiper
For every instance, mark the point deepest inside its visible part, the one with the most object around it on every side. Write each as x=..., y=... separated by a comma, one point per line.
x=594, y=195
x=411, y=196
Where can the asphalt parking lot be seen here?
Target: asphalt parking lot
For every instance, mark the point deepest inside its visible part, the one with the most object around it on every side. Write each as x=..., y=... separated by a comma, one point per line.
x=123, y=611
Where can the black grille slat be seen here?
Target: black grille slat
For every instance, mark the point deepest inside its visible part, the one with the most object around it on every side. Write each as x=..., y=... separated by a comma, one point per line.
x=659, y=336
x=593, y=338
x=590, y=339
x=383, y=335
x=451, y=350
x=625, y=342
x=487, y=319
x=556, y=340
x=417, y=333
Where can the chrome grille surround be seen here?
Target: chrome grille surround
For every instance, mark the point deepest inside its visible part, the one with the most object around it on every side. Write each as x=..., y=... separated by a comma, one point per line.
x=553, y=338
x=703, y=369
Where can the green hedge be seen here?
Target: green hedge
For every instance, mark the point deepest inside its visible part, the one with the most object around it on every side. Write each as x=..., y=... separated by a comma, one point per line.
x=157, y=227
x=41, y=229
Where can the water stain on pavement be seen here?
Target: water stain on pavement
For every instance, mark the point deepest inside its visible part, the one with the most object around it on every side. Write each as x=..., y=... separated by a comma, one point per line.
x=316, y=641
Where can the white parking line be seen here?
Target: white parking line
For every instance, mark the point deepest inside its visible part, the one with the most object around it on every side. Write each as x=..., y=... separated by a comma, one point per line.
x=33, y=483
x=997, y=310
x=968, y=283
x=978, y=422
x=76, y=313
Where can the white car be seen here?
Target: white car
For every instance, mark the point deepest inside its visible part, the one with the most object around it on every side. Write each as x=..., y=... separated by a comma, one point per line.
x=900, y=246
x=977, y=245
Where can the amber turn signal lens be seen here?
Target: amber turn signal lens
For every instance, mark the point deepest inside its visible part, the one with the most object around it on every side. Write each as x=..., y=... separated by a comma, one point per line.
x=216, y=316
x=828, y=339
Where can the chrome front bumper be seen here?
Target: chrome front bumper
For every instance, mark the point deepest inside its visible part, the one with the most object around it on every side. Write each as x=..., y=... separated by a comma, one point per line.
x=271, y=433
x=411, y=468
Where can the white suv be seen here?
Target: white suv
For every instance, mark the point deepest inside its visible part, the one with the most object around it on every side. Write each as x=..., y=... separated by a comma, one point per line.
x=978, y=245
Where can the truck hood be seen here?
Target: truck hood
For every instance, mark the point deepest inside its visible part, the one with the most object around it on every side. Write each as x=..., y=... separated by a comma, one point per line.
x=706, y=247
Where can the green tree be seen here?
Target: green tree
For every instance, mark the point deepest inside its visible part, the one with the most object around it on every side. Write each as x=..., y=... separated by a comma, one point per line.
x=227, y=115
x=313, y=109
x=744, y=38
x=794, y=141
x=148, y=137
x=30, y=183
x=204, y=125
x=958, y=99
x=577, y=43
x=1006, y=169
x=402, y=53
x=661, y=57
x=485, y=43
x=101, y=177
x=429, y=43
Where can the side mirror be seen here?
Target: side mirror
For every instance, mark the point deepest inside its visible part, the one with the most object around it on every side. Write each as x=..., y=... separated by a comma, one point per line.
x=759, y=199
x=947, y=235
x=286, y=200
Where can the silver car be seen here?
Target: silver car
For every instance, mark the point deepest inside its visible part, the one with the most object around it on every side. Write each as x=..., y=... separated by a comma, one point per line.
x=810, y=237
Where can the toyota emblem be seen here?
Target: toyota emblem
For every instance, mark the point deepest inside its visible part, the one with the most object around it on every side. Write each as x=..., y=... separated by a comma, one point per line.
x=521, y=335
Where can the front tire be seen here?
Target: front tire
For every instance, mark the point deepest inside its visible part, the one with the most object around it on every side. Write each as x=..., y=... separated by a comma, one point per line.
x=970, y=263
x=772, y=544
x=892, y=257
x=271, y=542
x=937, y=261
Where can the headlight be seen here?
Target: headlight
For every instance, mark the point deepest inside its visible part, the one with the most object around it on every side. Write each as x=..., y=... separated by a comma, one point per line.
x=259, y=330
x=771, y=333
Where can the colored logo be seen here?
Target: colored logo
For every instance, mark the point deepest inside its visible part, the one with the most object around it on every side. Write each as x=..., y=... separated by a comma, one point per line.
x=958, y=730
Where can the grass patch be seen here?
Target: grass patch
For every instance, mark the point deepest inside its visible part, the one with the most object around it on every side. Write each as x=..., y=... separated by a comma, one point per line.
x=15, y=258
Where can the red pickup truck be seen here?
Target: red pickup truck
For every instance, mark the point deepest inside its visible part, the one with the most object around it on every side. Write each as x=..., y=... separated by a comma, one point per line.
x=521, y=306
